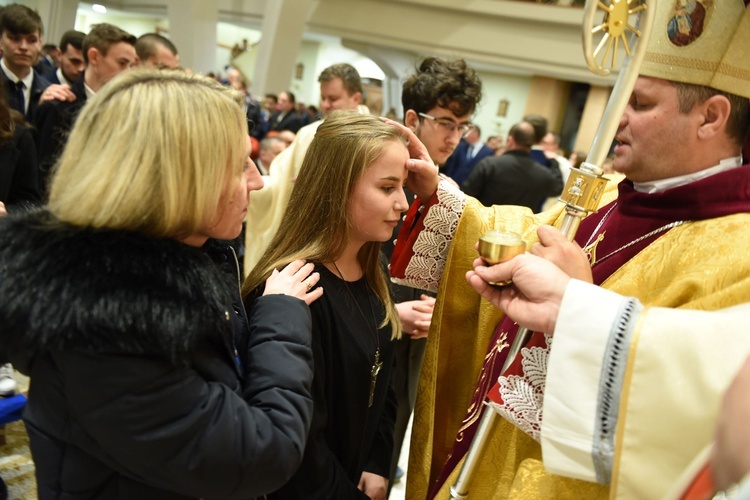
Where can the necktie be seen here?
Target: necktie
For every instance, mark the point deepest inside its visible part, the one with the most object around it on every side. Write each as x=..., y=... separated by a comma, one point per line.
x=469, y=153
x=20, y=97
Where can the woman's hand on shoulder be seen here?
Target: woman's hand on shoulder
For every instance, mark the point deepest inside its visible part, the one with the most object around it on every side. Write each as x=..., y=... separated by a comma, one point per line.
x=297, y=279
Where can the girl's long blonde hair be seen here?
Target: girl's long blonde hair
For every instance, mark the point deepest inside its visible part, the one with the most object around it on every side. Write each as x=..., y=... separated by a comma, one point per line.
x=316, y=223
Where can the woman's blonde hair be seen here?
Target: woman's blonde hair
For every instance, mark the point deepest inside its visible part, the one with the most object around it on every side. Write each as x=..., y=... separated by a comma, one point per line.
x=316, y=223
x=151, y=152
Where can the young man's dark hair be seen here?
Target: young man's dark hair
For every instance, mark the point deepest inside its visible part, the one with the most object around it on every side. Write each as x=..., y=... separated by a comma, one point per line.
x=148, y=44
x=72, y=37
x=523, y=134
x=540, y=126
x=104, y=35
x=19, y=19
x=290, y=95
x=448, y=84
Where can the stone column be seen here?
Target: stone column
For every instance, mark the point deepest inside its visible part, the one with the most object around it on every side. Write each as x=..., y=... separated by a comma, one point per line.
x=192, y=28
x=593, y=111
x=58, y=16
x=283, y=25
x=548, y=97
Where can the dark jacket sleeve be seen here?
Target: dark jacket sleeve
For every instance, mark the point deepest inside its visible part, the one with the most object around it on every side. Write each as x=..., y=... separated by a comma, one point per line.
x=52, y=124
x=170, y=427
x=23, y=188
x=474, y=184
x=255, y=121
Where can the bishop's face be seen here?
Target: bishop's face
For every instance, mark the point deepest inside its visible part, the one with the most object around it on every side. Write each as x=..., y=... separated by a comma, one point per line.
x=655, y=139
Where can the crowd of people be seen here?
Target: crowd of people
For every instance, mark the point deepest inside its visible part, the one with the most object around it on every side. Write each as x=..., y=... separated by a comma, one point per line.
x=171, y=356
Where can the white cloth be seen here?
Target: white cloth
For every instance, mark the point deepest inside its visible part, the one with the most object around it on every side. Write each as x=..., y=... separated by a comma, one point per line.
x=680, y=363
x=681, y=180
x=587, y=314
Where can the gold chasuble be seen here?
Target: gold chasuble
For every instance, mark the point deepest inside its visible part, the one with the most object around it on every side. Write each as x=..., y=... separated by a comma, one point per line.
x=461, y=330
x=681, y=248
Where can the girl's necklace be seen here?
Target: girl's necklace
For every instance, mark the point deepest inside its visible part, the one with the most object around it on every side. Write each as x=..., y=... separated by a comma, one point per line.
x=377, y=364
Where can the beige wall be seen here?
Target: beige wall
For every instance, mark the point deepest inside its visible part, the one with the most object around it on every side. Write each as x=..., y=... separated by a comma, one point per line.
x=548, y=97
x=592, y=115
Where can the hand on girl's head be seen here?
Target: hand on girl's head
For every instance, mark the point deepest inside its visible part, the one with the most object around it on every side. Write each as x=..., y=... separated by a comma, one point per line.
x=423, y=174
x=296, y=280
x=417, y=150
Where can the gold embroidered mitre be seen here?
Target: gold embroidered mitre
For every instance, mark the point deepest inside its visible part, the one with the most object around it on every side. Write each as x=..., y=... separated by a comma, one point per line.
x=703, y=42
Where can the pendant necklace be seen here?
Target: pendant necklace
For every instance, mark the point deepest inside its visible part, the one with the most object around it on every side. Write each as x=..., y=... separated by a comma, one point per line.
x=377, y=364
x=590, y=248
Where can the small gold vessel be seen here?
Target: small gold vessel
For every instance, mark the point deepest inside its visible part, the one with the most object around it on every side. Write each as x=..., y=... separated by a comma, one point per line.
x=500, y=246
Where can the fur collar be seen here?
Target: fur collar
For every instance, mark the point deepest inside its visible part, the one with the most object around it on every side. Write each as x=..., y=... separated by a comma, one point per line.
x=65, y=287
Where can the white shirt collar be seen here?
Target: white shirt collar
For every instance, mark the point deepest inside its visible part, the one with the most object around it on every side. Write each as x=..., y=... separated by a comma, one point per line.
x=89, y=91
x=27, y=81
x=62, y=78
x=681, y=180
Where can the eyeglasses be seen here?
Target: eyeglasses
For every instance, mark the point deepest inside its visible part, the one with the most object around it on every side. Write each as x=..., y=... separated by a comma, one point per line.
x=450, y=126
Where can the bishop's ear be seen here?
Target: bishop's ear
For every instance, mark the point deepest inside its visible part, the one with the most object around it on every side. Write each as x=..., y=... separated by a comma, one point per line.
x=716, y=110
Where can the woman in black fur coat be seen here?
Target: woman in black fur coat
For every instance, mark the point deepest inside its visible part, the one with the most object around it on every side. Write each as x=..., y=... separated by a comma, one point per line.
x=148, y=377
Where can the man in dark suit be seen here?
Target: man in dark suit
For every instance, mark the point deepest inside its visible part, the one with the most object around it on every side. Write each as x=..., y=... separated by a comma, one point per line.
x=514, y=178
x=71, y=58
x=469, y=152
x=47, y=60
x=253, y=110
x=108, y=51
x=20, y=41
x=285, y=117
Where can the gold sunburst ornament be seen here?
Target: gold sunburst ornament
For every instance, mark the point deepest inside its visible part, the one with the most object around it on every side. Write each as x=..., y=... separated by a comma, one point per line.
x=615, y=27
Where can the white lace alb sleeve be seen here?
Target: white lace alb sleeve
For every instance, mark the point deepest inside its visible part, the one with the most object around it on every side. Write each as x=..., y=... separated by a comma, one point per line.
x=431, y=246
x=583, y=382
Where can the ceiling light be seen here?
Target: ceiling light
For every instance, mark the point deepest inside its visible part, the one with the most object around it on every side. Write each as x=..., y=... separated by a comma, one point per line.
x=101, y=9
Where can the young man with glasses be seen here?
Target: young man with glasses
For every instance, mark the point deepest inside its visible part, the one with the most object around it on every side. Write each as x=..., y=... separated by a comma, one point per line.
x=438, y=100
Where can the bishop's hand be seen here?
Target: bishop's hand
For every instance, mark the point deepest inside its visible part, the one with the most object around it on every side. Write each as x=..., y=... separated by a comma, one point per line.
x=533, y=299
x=567, y=255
